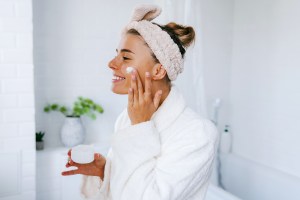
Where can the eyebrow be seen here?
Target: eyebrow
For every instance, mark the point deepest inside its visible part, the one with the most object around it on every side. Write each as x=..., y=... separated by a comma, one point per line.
x=125, y=50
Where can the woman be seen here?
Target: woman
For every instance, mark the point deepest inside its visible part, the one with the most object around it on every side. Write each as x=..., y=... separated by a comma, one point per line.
x=161, y=149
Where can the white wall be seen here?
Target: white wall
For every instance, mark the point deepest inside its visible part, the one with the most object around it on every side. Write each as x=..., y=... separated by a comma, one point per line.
x=17, y=126
x=265, y=86
x=74, y=40
x=217, y=25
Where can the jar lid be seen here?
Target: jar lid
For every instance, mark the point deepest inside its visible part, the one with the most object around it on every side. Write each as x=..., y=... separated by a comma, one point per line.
x=83, y=154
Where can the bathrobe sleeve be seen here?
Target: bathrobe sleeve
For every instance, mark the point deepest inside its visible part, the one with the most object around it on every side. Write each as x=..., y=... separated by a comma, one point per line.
x=92, y=187
x=141, y=171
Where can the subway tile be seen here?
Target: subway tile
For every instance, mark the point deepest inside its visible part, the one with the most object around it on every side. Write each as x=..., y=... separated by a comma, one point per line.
x=19, y=144
x=6, y=9
x=26, y=100
x=23, y=56
x=17, y=25
x=1, y=116
x=24, y=41
x=17, y=86
x=23, y=9
x=28, y=156
x=27, y=129
x=8, y=71
x=25, y=71
x=9, y=130
x=8, y=101
x=1, y=145
x=19, y=115
x=7, y=40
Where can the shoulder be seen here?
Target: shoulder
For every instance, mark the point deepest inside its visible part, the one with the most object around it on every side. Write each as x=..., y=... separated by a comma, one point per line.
x=196, y=127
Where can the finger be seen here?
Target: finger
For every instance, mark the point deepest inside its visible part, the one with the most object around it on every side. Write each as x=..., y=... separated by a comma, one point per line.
x=68, y=165
x=71, y=172
x=97, y=156
x=74, y=164
x=69, y=152
x=139, y=85
x=135, y=88
x=130, y=97
x=148, y=84
x=157, y=98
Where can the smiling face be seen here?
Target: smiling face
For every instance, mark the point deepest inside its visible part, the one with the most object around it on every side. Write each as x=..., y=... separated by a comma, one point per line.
x=132, y=52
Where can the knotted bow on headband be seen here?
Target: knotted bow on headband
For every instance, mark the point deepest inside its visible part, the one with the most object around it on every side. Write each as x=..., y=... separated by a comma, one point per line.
x=160, y=42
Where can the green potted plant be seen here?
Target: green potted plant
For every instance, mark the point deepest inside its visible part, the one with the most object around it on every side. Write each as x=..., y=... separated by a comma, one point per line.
x=39, y=143
x=72, y=132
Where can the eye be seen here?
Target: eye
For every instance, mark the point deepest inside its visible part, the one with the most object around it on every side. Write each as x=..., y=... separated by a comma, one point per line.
x=126, y=58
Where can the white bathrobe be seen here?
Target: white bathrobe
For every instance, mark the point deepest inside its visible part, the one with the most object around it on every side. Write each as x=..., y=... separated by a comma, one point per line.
x=167, y=158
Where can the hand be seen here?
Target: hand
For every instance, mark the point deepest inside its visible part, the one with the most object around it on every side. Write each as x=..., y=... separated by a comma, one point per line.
x=95, y=168
x=141, y=104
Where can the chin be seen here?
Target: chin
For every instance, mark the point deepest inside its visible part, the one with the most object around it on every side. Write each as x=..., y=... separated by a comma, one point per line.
x=118, y=90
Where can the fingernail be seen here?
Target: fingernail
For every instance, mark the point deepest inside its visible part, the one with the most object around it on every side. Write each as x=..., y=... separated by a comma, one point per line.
x=133, y=77
x=147, y=74
x=130, y=89
x=160, y=92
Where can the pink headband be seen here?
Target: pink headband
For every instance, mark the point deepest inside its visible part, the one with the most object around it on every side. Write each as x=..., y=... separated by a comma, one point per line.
x=159, y=41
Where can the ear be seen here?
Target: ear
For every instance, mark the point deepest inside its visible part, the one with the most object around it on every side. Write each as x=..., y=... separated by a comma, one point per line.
x=158, y=72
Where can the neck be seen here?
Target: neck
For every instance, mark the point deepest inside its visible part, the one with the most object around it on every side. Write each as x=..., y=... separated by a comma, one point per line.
x=165, y=87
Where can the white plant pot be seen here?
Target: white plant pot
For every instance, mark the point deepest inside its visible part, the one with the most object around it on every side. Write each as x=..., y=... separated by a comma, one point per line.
x=72, y=132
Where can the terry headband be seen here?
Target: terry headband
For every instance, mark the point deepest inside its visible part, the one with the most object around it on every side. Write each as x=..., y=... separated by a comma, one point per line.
x=160, y=42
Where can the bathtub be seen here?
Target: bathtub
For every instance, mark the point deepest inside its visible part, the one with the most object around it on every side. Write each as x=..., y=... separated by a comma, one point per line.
x=254, y=181
x=217, y=193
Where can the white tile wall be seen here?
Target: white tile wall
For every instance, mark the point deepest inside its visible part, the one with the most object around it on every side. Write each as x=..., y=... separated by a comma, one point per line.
x=17, y=124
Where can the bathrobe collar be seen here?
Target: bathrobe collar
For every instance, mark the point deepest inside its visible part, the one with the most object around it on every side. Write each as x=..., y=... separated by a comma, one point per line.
x=169, y=110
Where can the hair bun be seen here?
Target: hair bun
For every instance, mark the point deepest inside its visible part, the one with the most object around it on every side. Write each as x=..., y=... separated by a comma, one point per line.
x=145, y=12
x=186, y=34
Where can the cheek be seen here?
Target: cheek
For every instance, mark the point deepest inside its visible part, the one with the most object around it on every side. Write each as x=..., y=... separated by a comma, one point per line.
x=124, y=72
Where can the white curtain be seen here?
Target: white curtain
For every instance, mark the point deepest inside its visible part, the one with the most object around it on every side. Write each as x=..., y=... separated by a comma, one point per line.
x=190, y=82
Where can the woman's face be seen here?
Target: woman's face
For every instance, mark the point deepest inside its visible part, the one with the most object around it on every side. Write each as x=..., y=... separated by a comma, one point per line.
x=132, y=52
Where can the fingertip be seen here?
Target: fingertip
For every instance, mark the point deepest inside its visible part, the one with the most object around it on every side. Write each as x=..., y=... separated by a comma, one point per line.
x=69, y=152
x=96, y=155
x=133, y=77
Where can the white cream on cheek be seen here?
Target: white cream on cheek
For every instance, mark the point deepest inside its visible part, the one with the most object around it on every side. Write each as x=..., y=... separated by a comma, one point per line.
x=129, y=70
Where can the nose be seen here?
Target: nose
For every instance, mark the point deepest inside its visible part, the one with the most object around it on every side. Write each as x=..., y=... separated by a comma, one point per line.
x=114, y=64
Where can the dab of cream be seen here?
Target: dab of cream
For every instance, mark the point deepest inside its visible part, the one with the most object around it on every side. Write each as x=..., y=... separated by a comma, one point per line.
x=129, y=70
x=83, y=154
